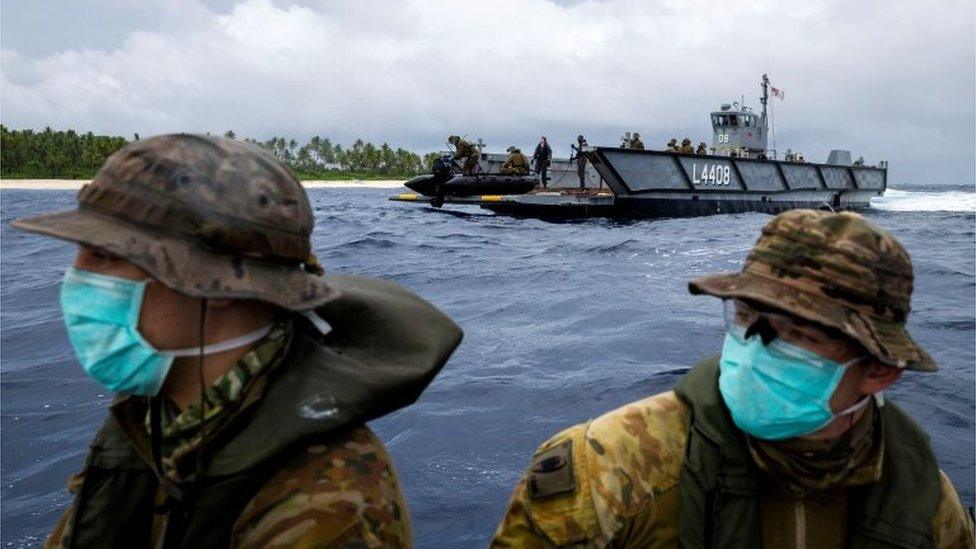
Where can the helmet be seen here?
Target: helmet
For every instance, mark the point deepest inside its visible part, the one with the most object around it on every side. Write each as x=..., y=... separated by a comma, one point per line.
x=702, y=144
x=673, y=141
x=834, y=269
x=511, y=149
x=580, y=138
x=636, y=135
x=453, y=139
x=206, y=216
x=686, y=141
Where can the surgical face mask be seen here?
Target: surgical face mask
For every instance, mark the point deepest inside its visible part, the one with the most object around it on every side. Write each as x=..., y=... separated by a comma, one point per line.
x=778, y=390
x=101, y=313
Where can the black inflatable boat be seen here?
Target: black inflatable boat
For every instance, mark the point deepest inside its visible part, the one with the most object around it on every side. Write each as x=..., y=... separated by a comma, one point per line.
x=472, y=185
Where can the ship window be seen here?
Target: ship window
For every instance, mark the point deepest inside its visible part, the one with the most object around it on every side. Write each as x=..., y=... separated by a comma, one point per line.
x=734, y=120
x=745, y=121
x=715, y=121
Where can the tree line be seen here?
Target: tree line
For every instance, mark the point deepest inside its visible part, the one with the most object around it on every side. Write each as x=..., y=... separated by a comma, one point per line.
x=29, y=154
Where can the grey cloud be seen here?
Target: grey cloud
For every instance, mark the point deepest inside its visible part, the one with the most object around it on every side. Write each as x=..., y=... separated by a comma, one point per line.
x=890, y=80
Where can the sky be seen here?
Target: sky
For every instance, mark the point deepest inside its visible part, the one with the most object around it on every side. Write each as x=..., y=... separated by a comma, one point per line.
x=893, y=80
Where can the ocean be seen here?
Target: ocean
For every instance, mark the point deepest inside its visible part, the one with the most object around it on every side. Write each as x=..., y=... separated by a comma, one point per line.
x=563, y=321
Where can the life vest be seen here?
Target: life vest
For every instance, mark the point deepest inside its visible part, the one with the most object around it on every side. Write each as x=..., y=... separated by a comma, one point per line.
x=719, y=482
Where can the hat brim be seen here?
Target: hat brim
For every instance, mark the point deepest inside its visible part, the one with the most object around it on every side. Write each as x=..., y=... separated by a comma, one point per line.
x=184, y=265
x=888, y=341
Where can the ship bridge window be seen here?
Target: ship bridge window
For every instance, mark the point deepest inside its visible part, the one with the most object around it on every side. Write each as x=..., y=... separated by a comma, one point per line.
x=734, y=121
x=746, y=121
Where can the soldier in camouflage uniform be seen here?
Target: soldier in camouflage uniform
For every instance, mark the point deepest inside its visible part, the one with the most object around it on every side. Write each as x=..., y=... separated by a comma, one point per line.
x=686, y=147
x=672, y=145
x=702, y=148
x=580, y=157
x=465, y=152
x=244, y=374
x=808, y=455
x=636, y=143
x=516, y=163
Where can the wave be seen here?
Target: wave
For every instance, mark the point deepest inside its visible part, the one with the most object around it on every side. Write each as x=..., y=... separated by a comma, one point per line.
x=895, y=200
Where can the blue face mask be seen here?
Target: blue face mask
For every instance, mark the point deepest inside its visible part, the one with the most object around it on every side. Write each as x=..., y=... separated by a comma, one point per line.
x=778, y=391
x=101, y=313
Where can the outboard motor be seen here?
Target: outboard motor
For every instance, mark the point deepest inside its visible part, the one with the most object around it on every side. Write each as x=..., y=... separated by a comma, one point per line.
x=443, y=166
x=443, y=170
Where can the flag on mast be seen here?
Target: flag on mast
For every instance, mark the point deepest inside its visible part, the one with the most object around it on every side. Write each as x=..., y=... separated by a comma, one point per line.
x=778, y=93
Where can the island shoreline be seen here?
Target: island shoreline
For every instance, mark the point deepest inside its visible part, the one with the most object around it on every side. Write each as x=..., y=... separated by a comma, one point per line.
x=75, y=184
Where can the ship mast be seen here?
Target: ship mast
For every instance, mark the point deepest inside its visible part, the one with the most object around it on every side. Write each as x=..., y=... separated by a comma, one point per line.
x=765, y=98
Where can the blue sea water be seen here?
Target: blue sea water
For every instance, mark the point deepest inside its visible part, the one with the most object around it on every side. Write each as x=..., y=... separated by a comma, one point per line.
x=563, y=321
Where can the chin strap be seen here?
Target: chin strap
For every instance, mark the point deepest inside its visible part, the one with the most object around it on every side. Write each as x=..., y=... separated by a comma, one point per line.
x=221, y=346
x=856, y=407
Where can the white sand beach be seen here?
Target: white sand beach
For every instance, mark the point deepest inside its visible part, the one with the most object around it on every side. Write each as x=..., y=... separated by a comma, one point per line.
x=69, y=184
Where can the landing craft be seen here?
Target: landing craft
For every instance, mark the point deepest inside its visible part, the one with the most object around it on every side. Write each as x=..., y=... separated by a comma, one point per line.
x=740, y=174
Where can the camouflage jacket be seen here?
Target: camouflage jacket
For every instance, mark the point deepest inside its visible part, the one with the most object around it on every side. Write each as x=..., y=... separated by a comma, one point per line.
x=286, y=460
x=464, y=149
x=342, y=490
x=516, y=163
x=613, y=482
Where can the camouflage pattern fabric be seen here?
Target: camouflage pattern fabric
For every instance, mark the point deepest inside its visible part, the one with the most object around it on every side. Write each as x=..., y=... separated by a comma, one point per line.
x=623, y=490
x=835, y=269
x=636, y=143
x=686, y=149
x=182, y=429
x=344, y=493
x=515, y=164
x=206, y=216
x=702, y=149
x=469, y=154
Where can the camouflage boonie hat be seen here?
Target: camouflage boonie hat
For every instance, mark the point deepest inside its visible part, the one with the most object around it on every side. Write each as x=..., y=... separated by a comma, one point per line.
x=206, y=216
x=837, y=270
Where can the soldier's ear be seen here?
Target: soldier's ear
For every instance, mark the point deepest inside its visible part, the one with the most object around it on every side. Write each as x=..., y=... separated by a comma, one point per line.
x=876, y=376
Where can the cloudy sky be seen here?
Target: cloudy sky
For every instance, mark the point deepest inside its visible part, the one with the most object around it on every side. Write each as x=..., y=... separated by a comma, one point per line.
x=886, y=79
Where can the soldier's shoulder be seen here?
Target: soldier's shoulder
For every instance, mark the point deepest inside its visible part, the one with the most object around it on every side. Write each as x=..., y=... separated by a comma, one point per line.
x=586, y=482
x=952, y=525
x=340, y=489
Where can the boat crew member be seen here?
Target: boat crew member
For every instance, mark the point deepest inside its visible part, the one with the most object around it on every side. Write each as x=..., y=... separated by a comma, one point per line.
x=580, y=158
x=243, y=374
x=702, y=149
x=730, y=459
x=542, y=157
x=686, y=147
x=859, y=161
x=672, y=145
x=516, y=163
x=636, y=143
x=465, y=151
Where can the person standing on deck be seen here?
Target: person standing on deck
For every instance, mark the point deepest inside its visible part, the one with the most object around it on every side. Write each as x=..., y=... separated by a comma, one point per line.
x=243, y=374
x=542, y=157
x=580, y=160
